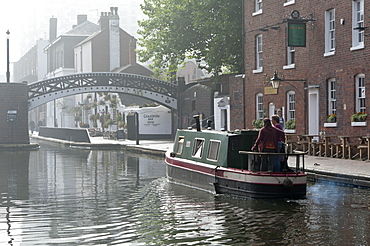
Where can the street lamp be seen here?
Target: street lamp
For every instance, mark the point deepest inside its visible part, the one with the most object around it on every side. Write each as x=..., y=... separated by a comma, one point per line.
x=7, y=57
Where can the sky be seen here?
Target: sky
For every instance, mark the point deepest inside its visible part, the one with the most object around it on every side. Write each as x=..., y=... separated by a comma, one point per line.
x=28, y=21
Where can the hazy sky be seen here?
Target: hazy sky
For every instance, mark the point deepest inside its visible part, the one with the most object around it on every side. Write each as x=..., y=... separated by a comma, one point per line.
x=28, y=20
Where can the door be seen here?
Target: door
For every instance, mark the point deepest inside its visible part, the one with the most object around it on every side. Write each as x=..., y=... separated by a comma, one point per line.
x=313, y=111
x=271, y=109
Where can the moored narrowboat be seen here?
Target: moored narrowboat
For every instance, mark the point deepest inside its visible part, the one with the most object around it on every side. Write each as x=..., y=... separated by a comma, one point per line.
x=220, y=162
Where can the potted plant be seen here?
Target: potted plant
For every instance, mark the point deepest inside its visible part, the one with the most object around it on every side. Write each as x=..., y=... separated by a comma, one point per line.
x=290, y=124
x=332, y=118
x=359, y=117
x=258, y=123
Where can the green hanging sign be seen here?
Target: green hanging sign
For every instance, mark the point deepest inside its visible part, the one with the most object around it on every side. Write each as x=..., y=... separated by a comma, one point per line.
x=296, y=34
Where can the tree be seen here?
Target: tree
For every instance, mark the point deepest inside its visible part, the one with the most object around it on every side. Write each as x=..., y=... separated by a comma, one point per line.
x=207, y=30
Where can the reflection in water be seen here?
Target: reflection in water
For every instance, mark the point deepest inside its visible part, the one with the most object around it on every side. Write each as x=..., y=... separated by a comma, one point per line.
x=64, y=196
x=13, y=183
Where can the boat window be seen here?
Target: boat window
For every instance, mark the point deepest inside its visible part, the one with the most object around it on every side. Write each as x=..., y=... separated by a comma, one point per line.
x=214, y=149
x=198, y=148
x=180, y=145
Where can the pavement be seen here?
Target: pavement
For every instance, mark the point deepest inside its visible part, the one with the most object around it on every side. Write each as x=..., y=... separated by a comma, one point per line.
x=344, y=171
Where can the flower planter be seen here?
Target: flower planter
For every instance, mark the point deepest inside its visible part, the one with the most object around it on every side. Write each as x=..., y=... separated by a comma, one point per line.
x=289, y=130
x=333, y=124
x=359, y=123
x=331, y=120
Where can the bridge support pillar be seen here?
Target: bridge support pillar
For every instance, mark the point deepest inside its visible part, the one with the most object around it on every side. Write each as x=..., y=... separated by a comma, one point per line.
x=14, y=113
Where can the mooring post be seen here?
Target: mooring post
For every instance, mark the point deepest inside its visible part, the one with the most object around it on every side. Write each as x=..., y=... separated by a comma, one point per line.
x=137, y=127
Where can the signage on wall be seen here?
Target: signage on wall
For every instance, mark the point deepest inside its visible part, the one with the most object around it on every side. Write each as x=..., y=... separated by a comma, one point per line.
x=296, y=33
x=270, y=91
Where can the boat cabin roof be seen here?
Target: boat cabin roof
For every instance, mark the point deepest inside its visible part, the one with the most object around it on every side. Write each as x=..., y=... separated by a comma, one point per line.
x=218, y=148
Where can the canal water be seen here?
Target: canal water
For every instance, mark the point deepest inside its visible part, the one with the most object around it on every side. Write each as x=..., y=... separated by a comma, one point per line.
x=64, y=196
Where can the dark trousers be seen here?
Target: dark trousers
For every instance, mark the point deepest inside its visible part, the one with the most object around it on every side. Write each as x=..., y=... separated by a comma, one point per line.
x=267, y=161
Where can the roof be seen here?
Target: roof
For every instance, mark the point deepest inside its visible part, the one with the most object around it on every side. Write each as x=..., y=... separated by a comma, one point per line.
x=86, y=28
x=134, y=69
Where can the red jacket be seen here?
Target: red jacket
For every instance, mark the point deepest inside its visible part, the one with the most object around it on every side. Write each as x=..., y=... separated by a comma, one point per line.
x=268, y=139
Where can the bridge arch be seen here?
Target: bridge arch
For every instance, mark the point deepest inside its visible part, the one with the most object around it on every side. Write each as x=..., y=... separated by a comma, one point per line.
x=162, y=92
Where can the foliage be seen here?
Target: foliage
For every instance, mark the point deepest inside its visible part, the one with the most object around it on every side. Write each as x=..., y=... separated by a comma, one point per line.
x=257, y=123
x=113, y=103
x=290, y=124
x=147, y=105
x=84, y=125
x=207, y=30
x=108, y=123
x=358, y=117
x=331, y=118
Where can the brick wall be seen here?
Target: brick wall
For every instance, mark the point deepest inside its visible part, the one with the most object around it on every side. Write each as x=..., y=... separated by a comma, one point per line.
x=196, y=100
x=14, y=96
x=310, y=64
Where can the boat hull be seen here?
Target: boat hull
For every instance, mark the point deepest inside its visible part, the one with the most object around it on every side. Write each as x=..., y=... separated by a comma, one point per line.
x=236, y=182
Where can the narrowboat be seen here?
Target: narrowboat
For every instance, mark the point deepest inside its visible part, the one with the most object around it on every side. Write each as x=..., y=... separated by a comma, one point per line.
x=221, y=162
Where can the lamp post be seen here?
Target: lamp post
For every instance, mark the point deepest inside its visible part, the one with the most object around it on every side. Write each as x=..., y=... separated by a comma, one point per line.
x=275, y=83
x=7, y=58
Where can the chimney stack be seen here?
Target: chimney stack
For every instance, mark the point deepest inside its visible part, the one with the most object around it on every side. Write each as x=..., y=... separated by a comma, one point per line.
x=81, y=19
x=52, y=29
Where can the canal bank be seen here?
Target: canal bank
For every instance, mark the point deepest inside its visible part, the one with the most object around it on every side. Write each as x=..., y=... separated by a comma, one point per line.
x=343, y=171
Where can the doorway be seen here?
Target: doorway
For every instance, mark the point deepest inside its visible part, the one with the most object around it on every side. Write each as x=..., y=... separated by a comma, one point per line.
x=313, y=111
x=271, y=109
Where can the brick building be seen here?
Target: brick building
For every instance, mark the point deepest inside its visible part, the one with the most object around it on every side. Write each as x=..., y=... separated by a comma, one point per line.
x=326, y=77
x=208, y=98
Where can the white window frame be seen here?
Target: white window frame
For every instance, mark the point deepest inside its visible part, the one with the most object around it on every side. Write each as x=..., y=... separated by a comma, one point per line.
x=213, y=150
x=289, y=2
x=332, y=101
x=198, y=148
x=357, y=21
x=329, y=32
x=291, y=105
x=259, y=54
x=360, y=93
x=257, y=7
x=259, y=106
x=290, y=58
x=180, y=145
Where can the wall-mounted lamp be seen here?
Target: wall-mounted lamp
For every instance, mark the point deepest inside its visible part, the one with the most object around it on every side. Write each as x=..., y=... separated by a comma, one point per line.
x=275, y=80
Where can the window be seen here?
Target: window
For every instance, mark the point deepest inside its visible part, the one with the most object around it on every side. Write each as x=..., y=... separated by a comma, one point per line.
x=214, y=149
x=360, y=93
x=290, y=55
x=289, y=2
x=332, y=102
x=259, y=106
x=198, y=148
x=180, y=145
x=259, y=59
x=357, y=21
x=258, y=7
x=329, y=32
x=291, y=105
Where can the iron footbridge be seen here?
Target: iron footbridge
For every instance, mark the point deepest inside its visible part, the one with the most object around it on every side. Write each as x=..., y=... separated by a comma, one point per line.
x=162, y=92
